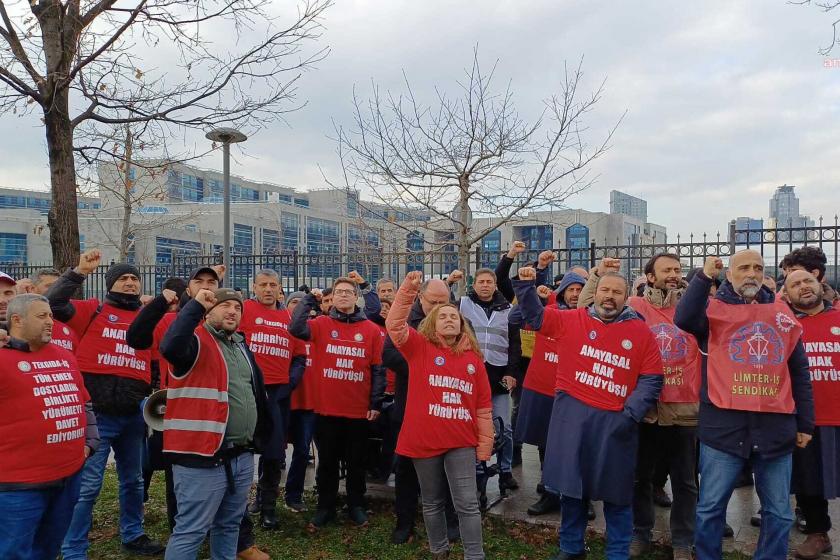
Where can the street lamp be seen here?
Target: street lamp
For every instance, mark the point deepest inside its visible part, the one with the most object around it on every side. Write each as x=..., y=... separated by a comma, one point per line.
x=226, y=136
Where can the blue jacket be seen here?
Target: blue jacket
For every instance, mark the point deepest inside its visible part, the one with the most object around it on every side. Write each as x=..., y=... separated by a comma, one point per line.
x=741, y=432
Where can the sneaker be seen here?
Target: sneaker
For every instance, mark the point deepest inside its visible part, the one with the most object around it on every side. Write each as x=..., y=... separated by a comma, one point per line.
x=800, y=520
x=268, y=520
x=815, y=545
x=358, y=516
x=507, y=482
x=661, y=498
x=297, y=507
x=252, y=553
x=402, y=535
x=638, y=547
x=755, y=520
x=540, y=488
x=321, y=518
x=144, y=546
x=728, y=532
x=547, y=503
x=682, y=553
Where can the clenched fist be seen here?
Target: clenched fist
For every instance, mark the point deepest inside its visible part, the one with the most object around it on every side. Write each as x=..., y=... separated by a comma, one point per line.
x=454, y=277
x=609, y=264
x=546, y=258
x=543, y=291
x=712, y=266
x=413, y=279
x=515, y=249
x=170, y=296
x=88, y=261
x=220, y=271
x=206, y=298
x=527, y=273
x=356, y=278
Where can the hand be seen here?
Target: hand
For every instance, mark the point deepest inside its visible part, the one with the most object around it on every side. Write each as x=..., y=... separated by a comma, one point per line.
x=802, y=439
x=515, y=249
x=609, y=264
x=356, y=277
x=454, y=277
x=413, y=279
x=527, y=273
x=170, y=296
x=220, y=271
x=712, y=267
x=88, y=451
x=543, y=291
x=546, y=258
x=510, y=382
x=88, y=261
x=4, y=338
x=372, y=415
x=145, y=299
x=205, y=298
x=317, y=293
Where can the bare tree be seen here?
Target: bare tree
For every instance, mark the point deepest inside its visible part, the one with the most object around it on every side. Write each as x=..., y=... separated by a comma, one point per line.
x=79, y=62
x=470, y=155
x=826, y=6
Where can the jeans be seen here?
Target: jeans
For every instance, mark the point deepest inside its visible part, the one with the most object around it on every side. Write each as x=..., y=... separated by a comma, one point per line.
x=573, y=527
x=718, y=473
x=33, y=522
x=341, y=438
x=301, y=429
x=126, y=435
x=454, y=472
x=206, y=503
x=675, y=445
x=502, y=408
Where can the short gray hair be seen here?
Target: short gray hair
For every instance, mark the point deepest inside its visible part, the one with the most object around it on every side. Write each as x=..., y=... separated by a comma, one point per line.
x=385, y=280
x=271, y=273
x=19, y=305
x=39, y=275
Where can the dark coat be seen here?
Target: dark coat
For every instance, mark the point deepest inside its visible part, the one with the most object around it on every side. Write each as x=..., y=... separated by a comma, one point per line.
x=393, y=359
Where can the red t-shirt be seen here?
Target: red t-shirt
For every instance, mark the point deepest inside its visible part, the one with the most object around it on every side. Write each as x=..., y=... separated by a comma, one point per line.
x=303, y=397
x=64, y=336
x=43, y=396
x=444, y=392
x=342, y=356
x=821, y=337
x=541, y=376
x=267, y=334
x=601, y=361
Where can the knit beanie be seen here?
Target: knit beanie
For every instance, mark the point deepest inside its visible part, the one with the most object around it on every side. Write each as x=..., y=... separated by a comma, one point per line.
x=118, y=269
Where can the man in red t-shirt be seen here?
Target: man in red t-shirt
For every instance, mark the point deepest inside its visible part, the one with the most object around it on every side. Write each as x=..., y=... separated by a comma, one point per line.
x=346, y=351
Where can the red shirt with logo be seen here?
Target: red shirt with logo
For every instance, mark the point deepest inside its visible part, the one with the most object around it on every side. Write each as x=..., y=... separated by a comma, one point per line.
x=541, y=376
x=267, y=334
x=64, y=336
x=821, y=337
x=444, y=392
x=342, y=356
x=102, y=348
x=43, y=396
x=749, y=347
x=303, y=397
x=601, y=361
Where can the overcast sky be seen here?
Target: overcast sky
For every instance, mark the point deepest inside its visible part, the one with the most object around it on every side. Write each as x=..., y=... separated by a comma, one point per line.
x=725, y=100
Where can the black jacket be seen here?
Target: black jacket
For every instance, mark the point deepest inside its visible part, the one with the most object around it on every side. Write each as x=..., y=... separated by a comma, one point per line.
x=300, y=328
x=180, y=348
x=110, y=394
x=741, y=432
x=496, y=373
x=393, y=359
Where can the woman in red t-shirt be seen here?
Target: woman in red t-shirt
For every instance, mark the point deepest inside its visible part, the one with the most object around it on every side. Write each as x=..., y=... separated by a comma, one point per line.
x=447, y=421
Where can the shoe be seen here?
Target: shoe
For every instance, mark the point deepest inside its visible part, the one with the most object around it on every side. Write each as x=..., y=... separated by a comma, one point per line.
x=815, y=544
x=800, y=520
x=144, y=546
x=321, y=518
x=256, y=506
x=268, y=520
x=252, y=553
x=728, y=532
x=517, y=456
x=638, y=547
x=358, y=516
x=755, y=520
x=540, y=488
x=297, y=507
x=402, y=535
x=683, y=554
x=566, y=556
x=590, y=511
x=547, y=503
x=661, y=498
x=507, y=481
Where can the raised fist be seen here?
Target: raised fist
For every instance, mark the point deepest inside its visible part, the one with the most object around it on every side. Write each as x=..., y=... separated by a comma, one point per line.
x=413, y=279
x=356, y=277
x=170, y=296
x=206, y=298
x=220, y=271
x=527, y=273
x=546, y=258
x=543, y=291
x=88, y=261
x=4, y=338
x=145, y=299
x=609, y=264
x=317, y=293
x=515, y=249
x=454, y=277
x=712, y=266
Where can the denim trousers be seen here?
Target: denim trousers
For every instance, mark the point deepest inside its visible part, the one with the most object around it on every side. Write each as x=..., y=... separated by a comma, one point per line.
x=573, y=522
x=502, y=405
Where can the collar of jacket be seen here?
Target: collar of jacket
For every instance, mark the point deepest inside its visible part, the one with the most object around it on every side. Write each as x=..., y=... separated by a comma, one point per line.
x=826, y=308
x=727, y=294
x=356, y=316
x=664, y=298
x=496, y=304
x=18, y=344
x=416, y=315
x=235, y=338
x=626, y=314
x=123, y=301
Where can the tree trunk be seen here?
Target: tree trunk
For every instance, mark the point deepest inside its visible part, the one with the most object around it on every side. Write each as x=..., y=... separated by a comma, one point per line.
x=127, y=182
x=464, y=227
x=63, y=219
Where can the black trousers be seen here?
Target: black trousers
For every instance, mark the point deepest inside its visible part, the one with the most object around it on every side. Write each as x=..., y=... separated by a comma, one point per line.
x=341, y=438
x=273, y=458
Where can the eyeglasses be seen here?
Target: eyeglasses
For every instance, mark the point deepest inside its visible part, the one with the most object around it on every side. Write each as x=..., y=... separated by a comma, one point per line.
x=343, y=292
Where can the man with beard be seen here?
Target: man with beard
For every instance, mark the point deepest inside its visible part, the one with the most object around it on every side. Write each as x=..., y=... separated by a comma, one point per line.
x=7, y=292
x=816, y=468
x=609, y=378
x=62, y=335
x=756, y=403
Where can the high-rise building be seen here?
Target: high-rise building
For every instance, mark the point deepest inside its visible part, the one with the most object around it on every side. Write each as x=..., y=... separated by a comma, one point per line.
x=784, y=209
x=623, y=203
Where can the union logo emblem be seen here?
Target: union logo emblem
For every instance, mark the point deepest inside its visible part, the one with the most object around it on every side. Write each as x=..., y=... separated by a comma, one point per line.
x=784, y=322
x=756, y=344
x=673, y=346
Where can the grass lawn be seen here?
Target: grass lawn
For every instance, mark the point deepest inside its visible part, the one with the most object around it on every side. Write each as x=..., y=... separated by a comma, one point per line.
x=502, y=540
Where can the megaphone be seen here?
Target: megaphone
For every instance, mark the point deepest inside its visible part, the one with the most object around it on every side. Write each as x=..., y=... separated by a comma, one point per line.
x=154, y=409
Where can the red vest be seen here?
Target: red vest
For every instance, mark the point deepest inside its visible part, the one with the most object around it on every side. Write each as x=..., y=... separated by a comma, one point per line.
x=197, y=404
x=267, y=334
x=681, y=361
x=342, y=356
x=42, y=396
x=303, y=397
x=541, y=376
x=444, y=392
x=821, y=336
x=103, y=348
x=64, y=336
x=160, y=331
x=749, y=346
x=601, y=361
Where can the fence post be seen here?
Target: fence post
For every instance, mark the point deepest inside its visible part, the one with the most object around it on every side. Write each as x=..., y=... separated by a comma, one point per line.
x=732, y=237
x=592, y=262
x=295, y=267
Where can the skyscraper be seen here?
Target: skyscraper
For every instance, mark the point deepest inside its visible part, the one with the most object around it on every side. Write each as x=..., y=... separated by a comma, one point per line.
x=784, y=209
x=623, y=203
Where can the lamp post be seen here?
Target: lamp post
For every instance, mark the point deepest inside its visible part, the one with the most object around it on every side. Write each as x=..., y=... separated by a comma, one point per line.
x=226, y=136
